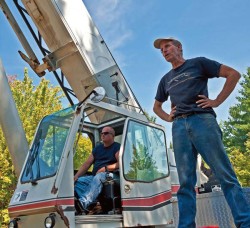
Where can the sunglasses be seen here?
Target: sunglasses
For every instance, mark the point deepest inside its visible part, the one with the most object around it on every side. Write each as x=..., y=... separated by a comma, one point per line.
x=105, y=133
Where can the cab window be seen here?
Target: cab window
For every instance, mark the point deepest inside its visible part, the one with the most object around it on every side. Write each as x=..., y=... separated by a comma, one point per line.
x=48, y=145
x=145, y=156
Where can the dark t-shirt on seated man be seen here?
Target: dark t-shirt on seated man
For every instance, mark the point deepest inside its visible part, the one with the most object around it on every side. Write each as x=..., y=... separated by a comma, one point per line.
x=104, y=155
x=184, y=83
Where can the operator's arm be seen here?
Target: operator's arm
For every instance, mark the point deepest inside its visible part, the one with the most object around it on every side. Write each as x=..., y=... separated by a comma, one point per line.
x=111, y=167
x=85, y=166
x=232, y=77
x=161, y=113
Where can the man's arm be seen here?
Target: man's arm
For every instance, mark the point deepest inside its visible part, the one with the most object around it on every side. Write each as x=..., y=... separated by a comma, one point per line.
x=84, y=168
x=111, y=167
x=161, y=113
x=232, y=77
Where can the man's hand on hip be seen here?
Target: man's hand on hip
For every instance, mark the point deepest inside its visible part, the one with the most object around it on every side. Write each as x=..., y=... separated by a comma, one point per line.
x=205, y=102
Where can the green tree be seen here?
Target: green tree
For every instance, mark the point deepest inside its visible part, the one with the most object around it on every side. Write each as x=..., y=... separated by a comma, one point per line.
x=32, y=102
x=241, y=163
x=150, y=118
x=83, y=150
x=7, y=180
x=237, y=127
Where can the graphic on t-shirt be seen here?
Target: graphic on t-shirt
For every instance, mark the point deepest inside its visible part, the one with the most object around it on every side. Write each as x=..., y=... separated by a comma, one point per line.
x=178, y=79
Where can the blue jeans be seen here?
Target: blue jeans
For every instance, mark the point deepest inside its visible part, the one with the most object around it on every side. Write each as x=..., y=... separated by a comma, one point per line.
x=200, y=133
x=88, y=188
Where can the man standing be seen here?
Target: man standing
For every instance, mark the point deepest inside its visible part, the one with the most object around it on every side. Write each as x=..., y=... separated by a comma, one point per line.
x=105, y=158
x=195, y=129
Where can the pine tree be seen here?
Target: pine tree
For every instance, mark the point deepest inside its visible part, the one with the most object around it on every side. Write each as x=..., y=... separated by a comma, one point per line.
x=237, y=127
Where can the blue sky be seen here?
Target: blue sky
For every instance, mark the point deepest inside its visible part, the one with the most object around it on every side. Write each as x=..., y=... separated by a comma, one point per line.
x=216, y=29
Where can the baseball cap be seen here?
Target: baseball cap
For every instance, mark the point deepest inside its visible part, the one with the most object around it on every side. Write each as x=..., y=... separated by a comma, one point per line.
x=158, y=41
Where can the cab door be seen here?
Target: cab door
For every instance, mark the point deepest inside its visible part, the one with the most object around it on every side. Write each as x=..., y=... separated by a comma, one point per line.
x=145, y=179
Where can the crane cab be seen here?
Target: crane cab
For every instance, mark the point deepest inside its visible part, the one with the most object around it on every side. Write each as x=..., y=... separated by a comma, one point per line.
x=45, y=188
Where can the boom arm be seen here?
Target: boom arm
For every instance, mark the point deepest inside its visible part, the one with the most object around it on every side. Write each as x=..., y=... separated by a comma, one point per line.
x=78, y=49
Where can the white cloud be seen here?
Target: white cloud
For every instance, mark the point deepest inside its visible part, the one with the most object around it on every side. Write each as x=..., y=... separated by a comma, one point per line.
x=111, y=20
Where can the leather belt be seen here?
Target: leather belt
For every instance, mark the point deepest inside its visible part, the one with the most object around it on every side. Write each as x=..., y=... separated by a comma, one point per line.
x=185, y=115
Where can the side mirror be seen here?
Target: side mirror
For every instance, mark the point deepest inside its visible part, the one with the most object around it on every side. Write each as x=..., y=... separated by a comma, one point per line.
x=97, y=94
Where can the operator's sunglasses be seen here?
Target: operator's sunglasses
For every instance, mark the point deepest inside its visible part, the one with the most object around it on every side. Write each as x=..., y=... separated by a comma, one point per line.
x=105, y=133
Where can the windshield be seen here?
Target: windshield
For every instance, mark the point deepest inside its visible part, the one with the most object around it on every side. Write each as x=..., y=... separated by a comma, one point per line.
x=47, y=147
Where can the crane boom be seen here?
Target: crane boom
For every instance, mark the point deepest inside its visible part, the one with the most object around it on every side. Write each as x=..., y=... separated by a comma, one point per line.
x=78, y=49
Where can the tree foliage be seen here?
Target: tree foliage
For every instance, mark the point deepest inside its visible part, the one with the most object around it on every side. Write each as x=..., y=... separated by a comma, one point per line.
x=236, y=132
x=83, y=150
x=241, y=163
x=237, y=127
x=149, y=117
x=32, y=102
x=7, y=180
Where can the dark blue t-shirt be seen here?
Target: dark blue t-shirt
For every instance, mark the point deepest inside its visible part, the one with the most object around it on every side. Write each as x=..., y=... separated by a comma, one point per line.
x=104, y=156
x=186, y=82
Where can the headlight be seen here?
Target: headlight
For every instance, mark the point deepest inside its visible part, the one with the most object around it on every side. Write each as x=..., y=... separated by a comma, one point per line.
x=13, y=223
x=50, y=221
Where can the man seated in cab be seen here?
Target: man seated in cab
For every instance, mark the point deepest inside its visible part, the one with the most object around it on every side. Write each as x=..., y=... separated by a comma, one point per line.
x=104, y=157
